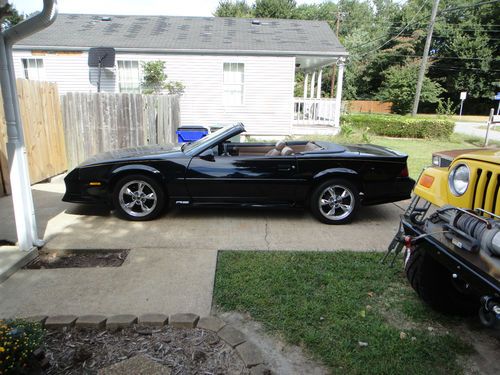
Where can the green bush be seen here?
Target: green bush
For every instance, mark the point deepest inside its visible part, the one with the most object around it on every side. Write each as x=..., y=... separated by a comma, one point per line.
x=18, y=341
x=402, y=126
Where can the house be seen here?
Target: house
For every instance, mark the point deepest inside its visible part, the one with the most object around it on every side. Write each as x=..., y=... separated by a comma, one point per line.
x=233, y=69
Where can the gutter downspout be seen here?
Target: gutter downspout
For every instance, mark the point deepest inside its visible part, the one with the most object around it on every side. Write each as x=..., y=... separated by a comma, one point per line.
x=22, y=198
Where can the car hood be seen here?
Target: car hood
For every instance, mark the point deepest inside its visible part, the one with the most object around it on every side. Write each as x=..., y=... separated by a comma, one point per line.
x=132, y=153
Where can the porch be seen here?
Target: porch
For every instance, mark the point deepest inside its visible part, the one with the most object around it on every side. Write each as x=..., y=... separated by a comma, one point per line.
x=313, y=113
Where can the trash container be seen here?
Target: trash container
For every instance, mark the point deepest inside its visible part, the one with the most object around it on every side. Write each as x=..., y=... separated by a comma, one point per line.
x=191, y=133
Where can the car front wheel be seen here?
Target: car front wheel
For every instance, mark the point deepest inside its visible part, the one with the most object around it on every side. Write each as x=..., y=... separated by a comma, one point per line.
x=138, y=198
x=335, y=202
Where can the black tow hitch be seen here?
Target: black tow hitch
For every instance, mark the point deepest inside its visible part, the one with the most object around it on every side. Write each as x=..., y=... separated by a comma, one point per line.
x=489, y=313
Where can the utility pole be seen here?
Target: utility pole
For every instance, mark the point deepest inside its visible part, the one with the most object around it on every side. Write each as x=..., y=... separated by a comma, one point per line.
x=334, y=68
x=423, y=63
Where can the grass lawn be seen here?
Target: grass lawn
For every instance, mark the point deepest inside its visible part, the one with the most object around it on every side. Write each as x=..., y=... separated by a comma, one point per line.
x=351, y=313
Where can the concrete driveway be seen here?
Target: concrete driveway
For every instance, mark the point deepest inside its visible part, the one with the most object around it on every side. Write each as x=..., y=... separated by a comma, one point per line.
x=171, y=265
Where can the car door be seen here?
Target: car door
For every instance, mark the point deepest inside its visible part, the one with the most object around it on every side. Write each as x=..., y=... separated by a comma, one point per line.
x=241, y=179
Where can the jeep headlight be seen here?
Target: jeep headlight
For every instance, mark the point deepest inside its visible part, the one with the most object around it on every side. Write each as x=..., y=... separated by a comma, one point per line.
x=458, y=179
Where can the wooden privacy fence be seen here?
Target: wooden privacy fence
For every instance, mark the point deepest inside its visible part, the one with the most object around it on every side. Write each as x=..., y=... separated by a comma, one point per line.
x=98, y=122
x=369, y=106
x=40, y=110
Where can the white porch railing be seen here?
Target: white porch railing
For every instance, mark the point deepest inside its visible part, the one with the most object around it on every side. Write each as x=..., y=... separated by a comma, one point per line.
x=314, y=111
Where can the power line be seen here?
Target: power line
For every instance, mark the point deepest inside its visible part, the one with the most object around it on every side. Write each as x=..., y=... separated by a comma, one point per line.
x=412, y=21
x=481, y=3
x=421, y=19
x=402, y=30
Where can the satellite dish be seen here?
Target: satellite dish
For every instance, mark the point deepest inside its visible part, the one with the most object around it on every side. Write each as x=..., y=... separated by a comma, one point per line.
x=101, y=57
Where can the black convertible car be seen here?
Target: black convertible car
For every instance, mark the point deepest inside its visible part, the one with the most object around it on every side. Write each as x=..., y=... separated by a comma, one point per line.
x=331, y=179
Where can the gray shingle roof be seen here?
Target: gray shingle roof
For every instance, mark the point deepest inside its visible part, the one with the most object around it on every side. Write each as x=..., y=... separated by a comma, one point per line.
x=176, y=34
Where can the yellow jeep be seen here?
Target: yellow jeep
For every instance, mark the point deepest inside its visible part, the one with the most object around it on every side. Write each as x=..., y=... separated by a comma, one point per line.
x=471, y=180
x=451, y=233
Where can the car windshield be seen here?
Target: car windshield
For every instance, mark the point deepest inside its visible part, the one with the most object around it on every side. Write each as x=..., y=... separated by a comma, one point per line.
x=200, y=142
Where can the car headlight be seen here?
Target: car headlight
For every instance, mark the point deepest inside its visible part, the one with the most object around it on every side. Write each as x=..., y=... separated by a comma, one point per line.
x=458, y=179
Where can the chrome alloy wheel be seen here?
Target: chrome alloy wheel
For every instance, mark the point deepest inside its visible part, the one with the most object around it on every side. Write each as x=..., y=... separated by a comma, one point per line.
x=137, y=198
x=336, y=202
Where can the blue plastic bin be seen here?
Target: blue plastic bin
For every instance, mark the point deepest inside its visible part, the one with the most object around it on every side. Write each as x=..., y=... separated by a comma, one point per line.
x=190, y=133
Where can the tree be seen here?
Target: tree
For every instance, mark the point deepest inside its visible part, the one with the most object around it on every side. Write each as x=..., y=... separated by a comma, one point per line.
x=155, y=79
x=9, y=16
x=274, y=8
x=399, y=87
x=229, y=8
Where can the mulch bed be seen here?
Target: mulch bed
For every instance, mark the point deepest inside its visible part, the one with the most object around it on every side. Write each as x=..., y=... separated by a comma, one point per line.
x=78, y=259
x=184, y=351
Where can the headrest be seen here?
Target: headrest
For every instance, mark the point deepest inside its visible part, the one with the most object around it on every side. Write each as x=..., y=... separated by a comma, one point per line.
x=280, y=145
x=287, y=151
x=273, y=152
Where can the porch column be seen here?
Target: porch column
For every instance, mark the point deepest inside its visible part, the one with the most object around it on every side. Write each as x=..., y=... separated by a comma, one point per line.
x=313, y=78
x=318, y=89
x=306, y=79
x=338, y=95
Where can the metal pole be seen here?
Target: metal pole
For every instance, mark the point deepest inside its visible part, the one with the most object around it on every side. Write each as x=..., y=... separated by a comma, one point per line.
x=423, y=63
x=15, y=150
x=461, y=106
x=338, y=97
x=99, y=78
x=488, y=125
x=334, y=68
x=24, y=212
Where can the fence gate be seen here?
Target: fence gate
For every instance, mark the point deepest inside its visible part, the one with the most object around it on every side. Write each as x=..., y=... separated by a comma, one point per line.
x=40, y=110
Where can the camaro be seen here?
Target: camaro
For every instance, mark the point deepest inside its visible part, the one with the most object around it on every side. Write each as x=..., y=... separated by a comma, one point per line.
x=333, y=180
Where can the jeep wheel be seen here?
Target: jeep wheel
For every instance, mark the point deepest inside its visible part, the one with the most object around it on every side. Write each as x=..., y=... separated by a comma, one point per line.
x=434, y=284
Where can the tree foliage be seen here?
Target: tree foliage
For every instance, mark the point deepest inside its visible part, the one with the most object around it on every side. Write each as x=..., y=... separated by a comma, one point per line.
x=155, y=79
x=238, y=8
x=399, y=85
x=387, y=36
x=9, y=16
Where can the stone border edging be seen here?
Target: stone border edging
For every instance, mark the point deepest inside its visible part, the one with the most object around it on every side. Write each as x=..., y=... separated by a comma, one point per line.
x=249, y=353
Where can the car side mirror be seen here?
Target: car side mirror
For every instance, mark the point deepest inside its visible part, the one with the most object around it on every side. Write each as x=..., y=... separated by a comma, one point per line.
x=207, y=155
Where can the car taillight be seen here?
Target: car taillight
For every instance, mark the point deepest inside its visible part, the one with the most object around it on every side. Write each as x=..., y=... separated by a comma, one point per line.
x=404, y=172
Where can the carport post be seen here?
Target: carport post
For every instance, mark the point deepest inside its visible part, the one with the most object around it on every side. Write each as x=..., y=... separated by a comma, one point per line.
x=22, y=198
x=338, y=95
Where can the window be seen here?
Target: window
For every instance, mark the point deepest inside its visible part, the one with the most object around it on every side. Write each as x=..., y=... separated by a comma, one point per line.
x=233, y=83
x=33, y=69
x=129, y=76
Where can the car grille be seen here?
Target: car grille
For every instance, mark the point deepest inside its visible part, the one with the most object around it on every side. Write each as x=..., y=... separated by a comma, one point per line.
x=486, y=189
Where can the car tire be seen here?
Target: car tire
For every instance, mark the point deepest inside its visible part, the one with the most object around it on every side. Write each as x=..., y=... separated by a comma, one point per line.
x=335, y=201
x=138, y=198
x=434, y=284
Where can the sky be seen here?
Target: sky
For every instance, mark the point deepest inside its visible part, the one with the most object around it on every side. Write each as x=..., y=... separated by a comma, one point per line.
x=142, y=7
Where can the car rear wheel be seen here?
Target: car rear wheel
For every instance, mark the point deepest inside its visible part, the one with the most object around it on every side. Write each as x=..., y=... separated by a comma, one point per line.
x=138, y=198
x=434, y=284
x=335, y=202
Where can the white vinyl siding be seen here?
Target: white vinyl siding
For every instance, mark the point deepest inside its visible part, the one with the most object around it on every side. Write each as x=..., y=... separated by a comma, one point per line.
x=129, y=76
x=234, y=80
x=33, y=69
x=267, y=107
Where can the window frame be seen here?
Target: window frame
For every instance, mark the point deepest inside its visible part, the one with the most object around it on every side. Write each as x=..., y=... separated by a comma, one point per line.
x=128, y=82
x=230, y=82
x=38, y=69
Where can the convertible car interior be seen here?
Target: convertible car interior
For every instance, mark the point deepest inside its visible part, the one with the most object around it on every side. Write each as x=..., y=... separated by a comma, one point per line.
x=281, y=148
